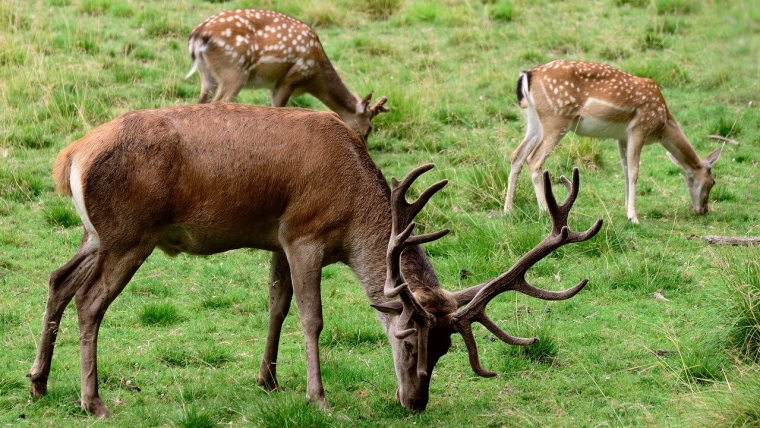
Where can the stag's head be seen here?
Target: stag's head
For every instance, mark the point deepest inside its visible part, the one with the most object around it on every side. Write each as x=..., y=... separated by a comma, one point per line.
x=425, y=318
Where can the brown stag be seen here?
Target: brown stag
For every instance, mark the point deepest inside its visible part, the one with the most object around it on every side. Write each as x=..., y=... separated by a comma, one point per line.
x=266, y=49
x=210, y=178
x=596, y=100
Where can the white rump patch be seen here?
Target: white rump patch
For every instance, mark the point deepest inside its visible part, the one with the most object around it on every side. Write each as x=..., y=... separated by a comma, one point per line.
x=77, y=196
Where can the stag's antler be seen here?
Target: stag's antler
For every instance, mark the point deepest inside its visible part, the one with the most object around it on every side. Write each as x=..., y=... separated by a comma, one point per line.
x=403, y=213
x=514, y=278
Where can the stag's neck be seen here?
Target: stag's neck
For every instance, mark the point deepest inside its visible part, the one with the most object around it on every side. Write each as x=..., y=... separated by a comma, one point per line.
x=332, y=92
x=369, y=264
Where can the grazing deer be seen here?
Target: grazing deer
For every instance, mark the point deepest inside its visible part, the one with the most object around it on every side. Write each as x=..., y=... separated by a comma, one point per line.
x=596, y=100
x=210, y=178
x=265, y=49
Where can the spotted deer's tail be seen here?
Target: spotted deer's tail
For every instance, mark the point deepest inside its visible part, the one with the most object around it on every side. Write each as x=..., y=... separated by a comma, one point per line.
x=196, y=44
x=523, y=87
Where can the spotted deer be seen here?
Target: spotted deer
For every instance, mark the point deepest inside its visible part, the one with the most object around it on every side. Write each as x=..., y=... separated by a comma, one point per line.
x=596, y=100
x=266, y=49
x=209, y=178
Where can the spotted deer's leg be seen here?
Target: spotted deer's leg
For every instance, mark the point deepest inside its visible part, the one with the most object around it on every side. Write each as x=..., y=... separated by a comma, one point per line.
x=551, y=137
x=623, y=150
x=633, y=157
x=231, y=80
x=280, y=95
x=208, y=81
x=520, y=156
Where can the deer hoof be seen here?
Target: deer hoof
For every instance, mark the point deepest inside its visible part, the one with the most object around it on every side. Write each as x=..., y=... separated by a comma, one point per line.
x=96, y=408
x=38, y=387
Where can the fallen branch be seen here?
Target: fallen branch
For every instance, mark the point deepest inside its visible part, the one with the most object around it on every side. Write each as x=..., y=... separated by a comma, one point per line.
x=724, y=139
x=733, y=240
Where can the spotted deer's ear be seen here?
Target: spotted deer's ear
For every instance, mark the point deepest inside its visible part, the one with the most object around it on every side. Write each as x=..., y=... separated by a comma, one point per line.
x=674, y=160
x=361, y=107
x=714, y=156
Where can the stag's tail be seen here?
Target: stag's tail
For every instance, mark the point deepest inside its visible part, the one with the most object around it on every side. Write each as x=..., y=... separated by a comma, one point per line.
x=62, y=172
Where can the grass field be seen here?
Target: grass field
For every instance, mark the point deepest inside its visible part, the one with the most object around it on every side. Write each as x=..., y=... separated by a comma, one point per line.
x=181, y=346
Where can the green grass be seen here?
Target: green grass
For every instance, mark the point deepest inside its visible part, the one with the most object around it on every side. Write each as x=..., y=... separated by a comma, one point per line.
x=181, y=346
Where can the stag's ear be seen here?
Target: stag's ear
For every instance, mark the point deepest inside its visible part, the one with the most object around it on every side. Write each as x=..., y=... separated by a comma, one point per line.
x=393, y=307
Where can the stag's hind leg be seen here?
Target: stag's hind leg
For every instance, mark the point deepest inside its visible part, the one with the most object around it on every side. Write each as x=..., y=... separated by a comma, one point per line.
x=280, y=297
x=113, y=272
x=64, y=282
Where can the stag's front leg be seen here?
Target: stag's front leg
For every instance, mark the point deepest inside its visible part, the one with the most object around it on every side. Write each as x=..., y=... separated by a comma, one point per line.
x=64, y=282
x=306, y=271
x=280, y=296
x=112, y=274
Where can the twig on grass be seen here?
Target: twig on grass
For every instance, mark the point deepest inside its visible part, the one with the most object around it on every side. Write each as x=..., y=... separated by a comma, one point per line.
x=733, y=240
x=724, y=139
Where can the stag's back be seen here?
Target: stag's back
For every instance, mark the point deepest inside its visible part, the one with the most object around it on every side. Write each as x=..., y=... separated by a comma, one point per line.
x=208, y=178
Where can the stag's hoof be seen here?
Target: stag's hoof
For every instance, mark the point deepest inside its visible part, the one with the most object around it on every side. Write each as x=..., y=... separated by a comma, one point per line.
x=96, y=408
x=321, y=402
x=269, y=384
x=38, y=387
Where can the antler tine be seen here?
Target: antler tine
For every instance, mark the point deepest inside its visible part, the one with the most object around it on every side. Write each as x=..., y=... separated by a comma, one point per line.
x=402, y=215
x=514, y=278
x=427, y=237
x=559, y=213
x=408, y=211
